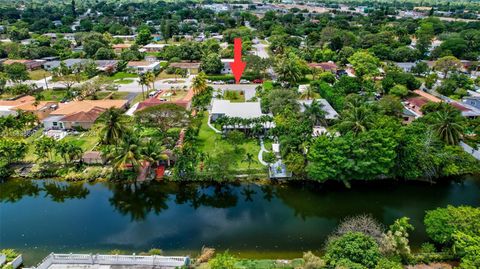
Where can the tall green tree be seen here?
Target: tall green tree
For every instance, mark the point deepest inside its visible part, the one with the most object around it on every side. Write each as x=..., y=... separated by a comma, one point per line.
x=114, y=129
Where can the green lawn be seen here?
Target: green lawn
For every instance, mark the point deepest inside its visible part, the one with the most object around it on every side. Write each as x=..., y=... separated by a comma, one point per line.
x=122, y=75
x=116, y=95
x=53, y=95
x=211, y=142
x=268, y=85
x=86, y=140
x=124, y=81
x=234, y=96
x=38, y=74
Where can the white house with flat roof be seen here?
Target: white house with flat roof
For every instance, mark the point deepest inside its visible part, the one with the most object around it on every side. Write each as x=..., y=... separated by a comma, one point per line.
x=246, y=110
x=330, y=112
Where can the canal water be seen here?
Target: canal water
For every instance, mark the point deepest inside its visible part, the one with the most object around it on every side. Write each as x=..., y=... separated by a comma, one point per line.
x=273, y=221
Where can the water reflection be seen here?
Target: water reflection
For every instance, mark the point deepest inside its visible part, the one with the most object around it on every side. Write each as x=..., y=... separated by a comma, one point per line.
x=15, y=190
x=185, y=216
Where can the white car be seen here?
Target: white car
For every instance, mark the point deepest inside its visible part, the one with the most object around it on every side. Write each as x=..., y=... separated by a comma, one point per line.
x=244, y=81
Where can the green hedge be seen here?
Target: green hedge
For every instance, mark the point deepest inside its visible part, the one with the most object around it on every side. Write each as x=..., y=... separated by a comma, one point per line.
x=228, y=77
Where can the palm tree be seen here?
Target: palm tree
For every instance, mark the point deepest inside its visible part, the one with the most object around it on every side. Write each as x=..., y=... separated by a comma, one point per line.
x=249, y=159
x=308, y=94
x=356, y=120
x=153, y=151
x=199, y=84
x=114, y=129
x=143, y=82
x=448, y=126
x=315, y=113
x=128, y=153
x=150, y=79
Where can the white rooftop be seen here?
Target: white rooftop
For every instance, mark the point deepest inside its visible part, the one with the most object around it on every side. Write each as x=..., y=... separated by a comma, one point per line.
x=246, y=110
x=330, y=112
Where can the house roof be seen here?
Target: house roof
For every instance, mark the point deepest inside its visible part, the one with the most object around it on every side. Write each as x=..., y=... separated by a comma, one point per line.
x=428, y=96
x=31, y=107
x=184, y=102
x=121, y=46
x=185, y=65
x=324, y=65
x=246, y=110
x=155, y=46
x=330, y=112
x=10, y=61
x=82, y=116
x=20, y=101
x=142, y=64
x=87, y=105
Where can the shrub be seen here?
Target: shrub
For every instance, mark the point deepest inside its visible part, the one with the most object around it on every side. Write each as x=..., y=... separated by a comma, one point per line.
x=312, y=261
x=155, y=251
x=399, y=90
x=388, y=264
x=427, y=248
x=355, y=247
x=10, y=254
x=269, y=157
x=348, y=264
x=442, y=223
x=364, y=224
x=223, y=261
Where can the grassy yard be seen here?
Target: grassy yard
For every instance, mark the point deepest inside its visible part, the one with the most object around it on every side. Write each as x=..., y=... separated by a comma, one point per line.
x=38, y=74
x=164, y=75
x=86, y=140
x=173, y=95
x=116, y=95
x=211, y=143
x=234, y=96
x=268, y=85
x=53, y=95
x=122, y=75
x=124, y=81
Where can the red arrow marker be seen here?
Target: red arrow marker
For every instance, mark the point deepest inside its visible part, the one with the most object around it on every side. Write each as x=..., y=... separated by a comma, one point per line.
x=237, y=66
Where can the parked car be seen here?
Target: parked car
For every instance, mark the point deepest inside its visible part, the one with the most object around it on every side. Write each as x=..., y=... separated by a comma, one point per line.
x=231, y=81
x=257, y=81
x=244, y=81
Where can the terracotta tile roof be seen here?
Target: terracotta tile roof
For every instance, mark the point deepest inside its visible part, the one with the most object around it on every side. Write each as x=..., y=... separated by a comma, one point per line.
x=20, y=101
x=8, y=62
x=327, y=66
x=138, y=63
x=89, y=116
x=184, y=102
x=121, y=46
x=31, y=107
x=428, y=96
x=87, y=105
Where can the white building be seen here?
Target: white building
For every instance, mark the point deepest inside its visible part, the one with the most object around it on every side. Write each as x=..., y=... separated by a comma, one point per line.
x=143, y=66
x=246, y=110
x=226, y=69
x=330, y=112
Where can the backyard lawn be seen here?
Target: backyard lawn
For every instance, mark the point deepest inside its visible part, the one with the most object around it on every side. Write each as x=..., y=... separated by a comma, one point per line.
x=116, y=95
x=38, y=74
x=53, y=95
x=211, y=142
x=122, y=75
x=86, y=140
